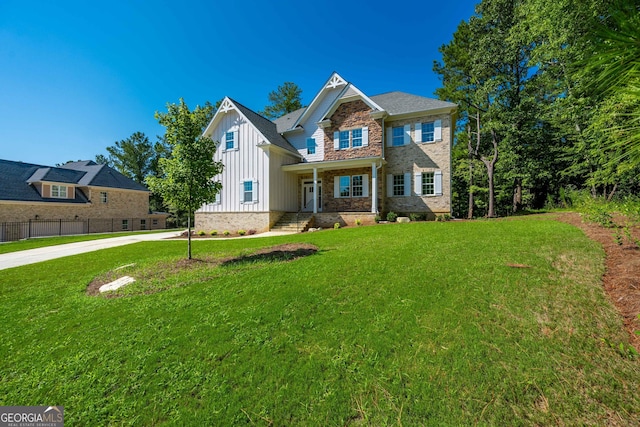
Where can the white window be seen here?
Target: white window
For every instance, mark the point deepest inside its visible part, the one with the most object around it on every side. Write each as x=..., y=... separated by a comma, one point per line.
x=351, y=186
x=248, y=191
x=397, y=137
x=229, y=138
x=356, y=185
x=429, y=131
x=428, y=183
x=398, y=185
x=354, y=138
x=59, y=191
x=311, y=146
x=125, y=224
x=103, y=197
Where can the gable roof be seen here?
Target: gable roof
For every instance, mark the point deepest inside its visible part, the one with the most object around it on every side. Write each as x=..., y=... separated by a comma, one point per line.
x=266, y=127
x=16, y=180
x=396, y=103
x=285, y=122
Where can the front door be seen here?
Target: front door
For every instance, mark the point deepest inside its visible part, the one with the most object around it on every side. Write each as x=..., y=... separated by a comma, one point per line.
x=307, y=196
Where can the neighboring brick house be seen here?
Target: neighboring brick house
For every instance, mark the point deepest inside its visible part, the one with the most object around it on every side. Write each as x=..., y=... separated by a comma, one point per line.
x=74, y=192
x=346, y=156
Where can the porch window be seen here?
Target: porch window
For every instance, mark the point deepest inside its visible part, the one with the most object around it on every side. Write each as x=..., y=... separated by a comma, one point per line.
x=345, y=186
x=398, y=185
x=59, y=191
x=311, y=146
x=356, y=186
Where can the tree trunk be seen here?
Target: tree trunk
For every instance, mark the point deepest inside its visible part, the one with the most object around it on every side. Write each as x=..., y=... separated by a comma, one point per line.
x=470, y=151
x=491, y=213
x=189, y=235
x=517, y=194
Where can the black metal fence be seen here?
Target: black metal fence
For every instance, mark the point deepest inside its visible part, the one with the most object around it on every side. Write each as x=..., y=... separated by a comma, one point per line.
x=12, y=231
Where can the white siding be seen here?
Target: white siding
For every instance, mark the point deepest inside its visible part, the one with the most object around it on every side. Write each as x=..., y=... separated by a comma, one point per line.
x=248, y=162
x=311, y=129
x=283, y=191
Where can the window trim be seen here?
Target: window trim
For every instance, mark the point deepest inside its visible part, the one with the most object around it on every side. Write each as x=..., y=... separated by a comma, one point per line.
x=59, y=193
x=363, y=187
x=339, y=138
x=396, y=186
x=227, y=140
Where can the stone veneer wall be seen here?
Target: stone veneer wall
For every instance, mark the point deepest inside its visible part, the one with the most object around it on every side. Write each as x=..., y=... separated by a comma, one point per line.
x=328, y=219
x=120, y=204
x=420, y=157
x=353, y=115
x=234, y=221
x=347, y=204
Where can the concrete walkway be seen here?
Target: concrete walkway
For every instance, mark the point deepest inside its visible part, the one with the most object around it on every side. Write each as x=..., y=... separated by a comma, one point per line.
x=32, y=256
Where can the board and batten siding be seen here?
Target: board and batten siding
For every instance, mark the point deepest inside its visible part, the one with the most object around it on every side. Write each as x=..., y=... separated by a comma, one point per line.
x=246, y=162
x=283, y=194
x=311, y=129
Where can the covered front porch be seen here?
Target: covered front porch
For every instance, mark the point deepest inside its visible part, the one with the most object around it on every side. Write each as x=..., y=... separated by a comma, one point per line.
x=345, y=187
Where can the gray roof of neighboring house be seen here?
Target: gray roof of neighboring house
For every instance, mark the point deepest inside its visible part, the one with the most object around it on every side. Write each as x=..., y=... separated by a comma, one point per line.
x=266, y=127
x=396, y=103
x=16, y=179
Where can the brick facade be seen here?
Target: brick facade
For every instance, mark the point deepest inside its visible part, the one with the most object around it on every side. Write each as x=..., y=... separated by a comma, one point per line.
x=120, y=204
x=348, y=116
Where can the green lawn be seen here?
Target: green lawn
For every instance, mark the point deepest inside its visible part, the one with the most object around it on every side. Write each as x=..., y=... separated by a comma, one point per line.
x=407, y=324
x=40, y=242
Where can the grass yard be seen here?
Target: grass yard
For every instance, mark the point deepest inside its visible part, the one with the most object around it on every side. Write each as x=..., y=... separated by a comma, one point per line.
x=41, y=242
x=459, y=323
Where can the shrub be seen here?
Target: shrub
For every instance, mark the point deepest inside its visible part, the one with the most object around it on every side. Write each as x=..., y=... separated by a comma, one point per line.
x=252, y=232
x=336, y=225
x=358, y=221
x=242, y=232
x=214, y=232
x=201, y=233
x=392, y=216
x=447, y=217
x=226, y=232
x=417, y=217
x=377, y=219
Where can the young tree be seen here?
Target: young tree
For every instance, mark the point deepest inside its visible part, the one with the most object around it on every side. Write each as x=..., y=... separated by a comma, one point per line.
x=283, y=101
x=186, y=178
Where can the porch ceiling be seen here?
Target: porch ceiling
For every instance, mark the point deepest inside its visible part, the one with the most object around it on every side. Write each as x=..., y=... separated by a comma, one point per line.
x=332, y=165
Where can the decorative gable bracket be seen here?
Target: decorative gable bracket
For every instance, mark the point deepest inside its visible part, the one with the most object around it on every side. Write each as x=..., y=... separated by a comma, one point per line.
x=335, y=81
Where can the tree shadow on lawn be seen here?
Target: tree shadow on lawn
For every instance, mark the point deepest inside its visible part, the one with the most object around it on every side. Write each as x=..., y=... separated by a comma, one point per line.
x=280, y=253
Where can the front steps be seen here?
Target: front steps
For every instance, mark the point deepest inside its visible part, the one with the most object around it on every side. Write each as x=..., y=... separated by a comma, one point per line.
x=288, y=222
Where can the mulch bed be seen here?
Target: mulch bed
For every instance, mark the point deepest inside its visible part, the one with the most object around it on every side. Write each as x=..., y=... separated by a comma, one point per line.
x=622, y=274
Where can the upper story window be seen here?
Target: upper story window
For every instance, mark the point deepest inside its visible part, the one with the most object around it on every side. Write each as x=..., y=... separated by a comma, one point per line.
x=103, y=197
x=230, y=140
x=398, y=136
x=344, y=140
x=59, y=191
x=311, y=146
x=428, y=132
x=354, y=138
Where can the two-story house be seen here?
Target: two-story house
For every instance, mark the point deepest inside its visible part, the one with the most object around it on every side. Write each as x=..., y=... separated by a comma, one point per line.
x=346, y=156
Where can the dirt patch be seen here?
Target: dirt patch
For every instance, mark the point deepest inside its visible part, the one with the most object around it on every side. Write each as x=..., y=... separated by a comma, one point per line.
x=622, y=274
x=281, y=253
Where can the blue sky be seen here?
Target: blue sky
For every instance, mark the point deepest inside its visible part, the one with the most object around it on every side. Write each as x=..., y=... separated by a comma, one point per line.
x=77, y=76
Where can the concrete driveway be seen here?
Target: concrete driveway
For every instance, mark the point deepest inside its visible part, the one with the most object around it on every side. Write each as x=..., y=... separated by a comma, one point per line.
x=31, y=256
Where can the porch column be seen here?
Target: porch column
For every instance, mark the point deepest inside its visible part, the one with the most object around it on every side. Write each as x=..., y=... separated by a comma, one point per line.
x=374, y=188
x=315, y=190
